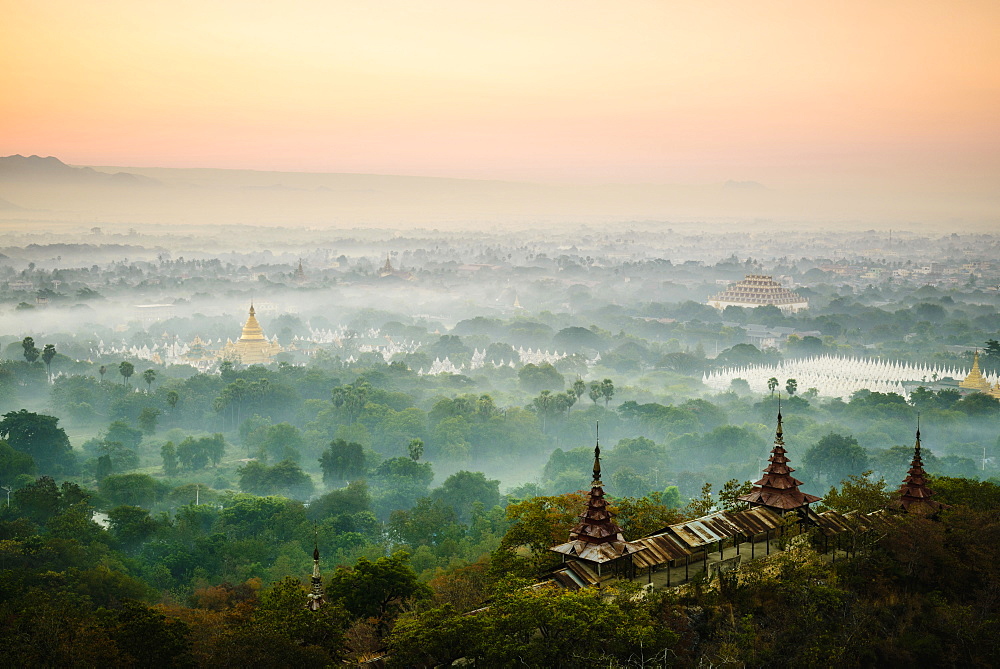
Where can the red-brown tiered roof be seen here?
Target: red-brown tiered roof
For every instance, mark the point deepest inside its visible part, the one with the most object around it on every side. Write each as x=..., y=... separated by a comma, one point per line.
x=778, y=489
x=597, y=537
x=914, y=495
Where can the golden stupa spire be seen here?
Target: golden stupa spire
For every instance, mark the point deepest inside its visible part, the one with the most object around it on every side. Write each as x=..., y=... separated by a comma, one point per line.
x=975, y=380
x=252, y=331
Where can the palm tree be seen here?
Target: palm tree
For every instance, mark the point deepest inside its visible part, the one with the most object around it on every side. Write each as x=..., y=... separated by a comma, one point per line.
x=102, y=371
x=791, y=385
x=149, y=376
x=48, y=353
x=772, y=383
x=126, y=369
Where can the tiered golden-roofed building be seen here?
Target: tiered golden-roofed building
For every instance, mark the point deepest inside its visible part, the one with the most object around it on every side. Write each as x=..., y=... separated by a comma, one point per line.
x=758, y=290
x=252, y=348
x=976, y=382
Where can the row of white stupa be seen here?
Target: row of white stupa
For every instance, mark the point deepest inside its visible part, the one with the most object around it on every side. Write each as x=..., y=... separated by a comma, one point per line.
x=479, y=361
x=835, y=376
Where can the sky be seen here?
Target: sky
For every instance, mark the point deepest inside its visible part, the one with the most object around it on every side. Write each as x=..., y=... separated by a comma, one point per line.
x=899, y=93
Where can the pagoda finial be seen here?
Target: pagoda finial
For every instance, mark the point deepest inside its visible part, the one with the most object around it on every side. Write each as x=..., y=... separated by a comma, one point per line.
x=778, y=433
x=917, y=446
x=316, y=598
x=597, y=455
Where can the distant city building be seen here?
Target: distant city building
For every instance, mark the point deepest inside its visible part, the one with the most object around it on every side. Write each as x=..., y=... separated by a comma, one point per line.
x=147, y=314
x=757, y=290
x=252, y=348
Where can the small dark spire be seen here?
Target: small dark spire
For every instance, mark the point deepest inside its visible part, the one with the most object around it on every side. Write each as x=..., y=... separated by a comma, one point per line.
x=597, y=454
x=779, y=431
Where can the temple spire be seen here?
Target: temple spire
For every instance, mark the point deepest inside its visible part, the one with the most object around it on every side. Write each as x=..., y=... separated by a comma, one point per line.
x=778, y=489
x=316, y=599
x=597, y=457
x=914, y=495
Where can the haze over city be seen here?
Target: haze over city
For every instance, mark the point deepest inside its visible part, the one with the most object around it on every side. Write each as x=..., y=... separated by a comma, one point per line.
x=828, y=110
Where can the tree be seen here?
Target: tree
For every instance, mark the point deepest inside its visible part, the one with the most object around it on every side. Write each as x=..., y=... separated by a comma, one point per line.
x=146, y=637
x=595, y=392
x=47, y=354
x=102, y=370
x=131, y=525
x=730, y=492
x=131, y=489
x=149, y=376
x=462, y=489
x=343, y=461
x=858, y=492
x=415, y=449
x=40, y=437
x=377, y=589
x=836, y=457
x=579, y=388
x=147, y=419
x=536, y=378
x=285, y=478
x=169, y=455
x=194, y=454
x=30, y=352
x=126, y=369
x=791, y=385
x=607, y=390
x=124, y=434
x=172, y=398
x=772, y=383
x=14, y=463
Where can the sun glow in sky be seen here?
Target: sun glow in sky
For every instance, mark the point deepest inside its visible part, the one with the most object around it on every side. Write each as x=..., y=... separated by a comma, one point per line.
x=643, y=91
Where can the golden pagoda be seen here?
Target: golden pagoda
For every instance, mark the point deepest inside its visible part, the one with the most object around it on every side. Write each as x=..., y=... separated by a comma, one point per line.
x=975, y=380
x=252, y=348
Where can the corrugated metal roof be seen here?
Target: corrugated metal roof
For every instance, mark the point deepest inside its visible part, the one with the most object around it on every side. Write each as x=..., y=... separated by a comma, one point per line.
x=660, y=549
x=725, y=525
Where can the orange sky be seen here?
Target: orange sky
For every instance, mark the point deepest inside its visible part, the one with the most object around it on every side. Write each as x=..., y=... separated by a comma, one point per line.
x=783, y=92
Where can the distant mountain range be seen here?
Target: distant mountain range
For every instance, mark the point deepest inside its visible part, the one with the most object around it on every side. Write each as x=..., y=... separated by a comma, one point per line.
x=38, y=169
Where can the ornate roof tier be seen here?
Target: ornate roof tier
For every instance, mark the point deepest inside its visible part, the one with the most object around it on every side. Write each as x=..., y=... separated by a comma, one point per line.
x=914, y=496
x=778, y=489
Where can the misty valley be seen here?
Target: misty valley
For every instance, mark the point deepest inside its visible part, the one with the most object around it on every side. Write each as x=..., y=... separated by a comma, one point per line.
x=189, y=412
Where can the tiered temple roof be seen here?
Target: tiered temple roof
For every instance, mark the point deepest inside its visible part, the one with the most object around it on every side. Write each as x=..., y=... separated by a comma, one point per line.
x=914, y=496
x=758, y=290
x=597, y=537
x=778, y=489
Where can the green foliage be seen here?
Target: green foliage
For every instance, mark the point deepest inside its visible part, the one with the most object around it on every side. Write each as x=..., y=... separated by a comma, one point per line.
x=536, y=378
x=194, y=454
x=463, y=489
x=130, y=489
x=286, y=477
x=30, y=351
x=858, y=492
x=377, y=589
x=836, y=457
x=14, y=463
x=343, y=461
x=40, y=437
x=121, y=432
x=542, y=627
